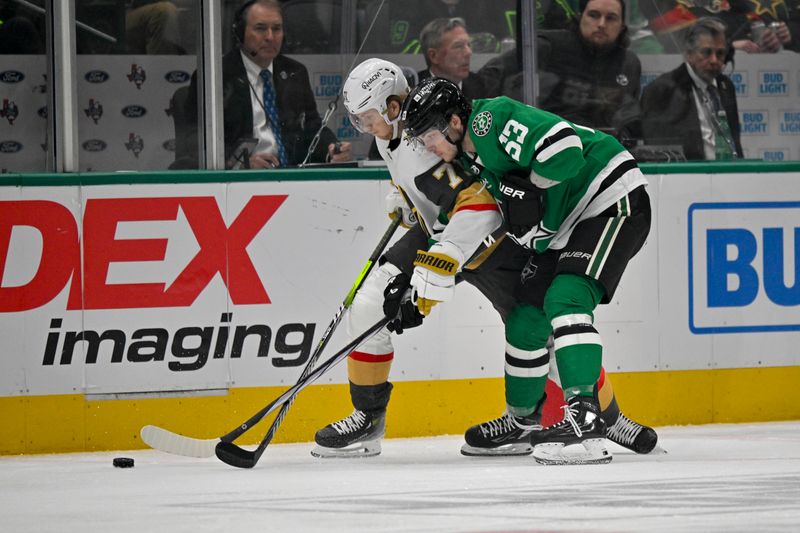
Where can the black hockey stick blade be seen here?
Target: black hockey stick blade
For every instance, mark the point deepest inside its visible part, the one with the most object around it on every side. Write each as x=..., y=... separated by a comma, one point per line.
x=229, y=453
x=234, y=455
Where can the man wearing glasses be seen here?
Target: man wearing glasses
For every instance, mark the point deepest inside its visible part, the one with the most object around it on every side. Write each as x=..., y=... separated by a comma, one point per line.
x=447, y=49
x=695, y=104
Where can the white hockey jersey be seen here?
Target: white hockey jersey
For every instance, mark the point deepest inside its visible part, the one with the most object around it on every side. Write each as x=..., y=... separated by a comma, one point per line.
x=453, y=206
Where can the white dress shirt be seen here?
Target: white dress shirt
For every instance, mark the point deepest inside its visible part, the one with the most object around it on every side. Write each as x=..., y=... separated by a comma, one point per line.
x=703, y=109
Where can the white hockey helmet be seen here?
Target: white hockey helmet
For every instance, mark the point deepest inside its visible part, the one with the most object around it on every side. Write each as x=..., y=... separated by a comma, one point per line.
x=369, y=85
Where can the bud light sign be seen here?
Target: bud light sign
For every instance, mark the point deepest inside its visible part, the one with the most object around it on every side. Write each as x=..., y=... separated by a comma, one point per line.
x=744, y=267
x=773, y=83
x=739, y=79
x=775, y=154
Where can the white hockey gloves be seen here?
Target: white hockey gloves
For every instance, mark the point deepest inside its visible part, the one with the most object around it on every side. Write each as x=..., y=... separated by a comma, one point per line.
x=395, y=201
x=433, y=279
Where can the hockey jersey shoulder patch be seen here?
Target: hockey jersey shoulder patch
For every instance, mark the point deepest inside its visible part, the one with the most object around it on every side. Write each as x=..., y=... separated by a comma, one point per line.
x=482, y=123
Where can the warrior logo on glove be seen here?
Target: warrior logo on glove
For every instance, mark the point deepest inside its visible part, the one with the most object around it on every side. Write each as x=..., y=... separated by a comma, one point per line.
x=439, y=263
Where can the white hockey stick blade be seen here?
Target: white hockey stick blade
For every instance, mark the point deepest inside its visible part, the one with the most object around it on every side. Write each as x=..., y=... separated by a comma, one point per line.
x=168, y=442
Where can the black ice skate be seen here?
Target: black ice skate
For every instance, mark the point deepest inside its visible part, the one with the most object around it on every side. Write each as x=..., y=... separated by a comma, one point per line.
x=358, y=435
x=507, y=435
x=578, y=439
x=631, y=435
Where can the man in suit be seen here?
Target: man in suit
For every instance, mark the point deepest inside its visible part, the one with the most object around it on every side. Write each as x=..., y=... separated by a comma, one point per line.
x=695, y=104
x=268, y=96
x=445, y=44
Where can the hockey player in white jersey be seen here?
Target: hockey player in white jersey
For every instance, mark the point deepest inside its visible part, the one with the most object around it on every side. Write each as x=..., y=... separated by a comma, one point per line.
x=445, y=205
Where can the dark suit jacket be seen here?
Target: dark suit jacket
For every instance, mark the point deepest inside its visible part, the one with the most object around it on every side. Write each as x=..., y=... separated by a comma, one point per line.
x=598, y=88
x=669, y=113
x=472, y=87
x=297, y=108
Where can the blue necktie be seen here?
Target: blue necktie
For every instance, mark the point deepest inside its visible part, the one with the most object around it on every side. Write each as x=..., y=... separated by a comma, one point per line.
x=272, y=115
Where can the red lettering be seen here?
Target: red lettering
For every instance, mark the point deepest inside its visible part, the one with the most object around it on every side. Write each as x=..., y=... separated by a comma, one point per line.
x=60, y=252
x=223, y=250
x=100, y=249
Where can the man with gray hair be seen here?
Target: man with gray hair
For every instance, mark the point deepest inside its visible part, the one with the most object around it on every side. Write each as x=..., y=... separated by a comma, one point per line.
x=695, y=104
x=445, y=44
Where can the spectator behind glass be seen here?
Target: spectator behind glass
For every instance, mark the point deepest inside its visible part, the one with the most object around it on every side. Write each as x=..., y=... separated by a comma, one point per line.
x=398, y=23
x=151, y=27
x=21, y=30
x=671, y=19
x=446, y=46
x=782, y=22
x=679, y=107
x=587, y=73
x=259, y=33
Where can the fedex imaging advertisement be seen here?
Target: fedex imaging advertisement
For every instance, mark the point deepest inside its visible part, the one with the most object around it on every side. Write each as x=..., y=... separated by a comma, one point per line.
x=132, y=288
x=165, y=288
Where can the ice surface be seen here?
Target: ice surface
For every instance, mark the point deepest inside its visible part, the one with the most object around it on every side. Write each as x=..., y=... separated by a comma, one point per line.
x=742, y=477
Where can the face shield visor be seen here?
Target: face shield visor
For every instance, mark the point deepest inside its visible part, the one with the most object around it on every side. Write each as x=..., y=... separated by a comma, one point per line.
x=368, y=121
x=430, y=137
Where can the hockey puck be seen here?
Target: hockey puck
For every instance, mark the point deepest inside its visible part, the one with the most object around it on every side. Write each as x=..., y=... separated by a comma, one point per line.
x=123, y=462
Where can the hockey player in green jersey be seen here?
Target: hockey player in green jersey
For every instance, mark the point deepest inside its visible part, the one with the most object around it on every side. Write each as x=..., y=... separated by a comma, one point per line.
x=454, y=211
x=576, y=198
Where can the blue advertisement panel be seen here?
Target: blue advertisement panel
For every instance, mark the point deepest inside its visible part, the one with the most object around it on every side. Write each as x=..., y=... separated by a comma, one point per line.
x=744, y=267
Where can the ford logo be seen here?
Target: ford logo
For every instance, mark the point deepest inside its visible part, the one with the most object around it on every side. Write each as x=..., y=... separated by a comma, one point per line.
x=11, y=76
x=94, y=145
x=10, y=147
x=42, y=112
x=134, y=111
x=96, y=76
x=169, y=145
x=177, y=76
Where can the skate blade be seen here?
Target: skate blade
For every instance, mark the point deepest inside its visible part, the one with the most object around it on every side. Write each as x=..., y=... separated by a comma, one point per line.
x=658, y=450
x=355, y=450
x=588, y=452
x=506, y=450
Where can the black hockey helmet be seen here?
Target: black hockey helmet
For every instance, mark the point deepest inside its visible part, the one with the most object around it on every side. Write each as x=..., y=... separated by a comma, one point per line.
x=431, y=104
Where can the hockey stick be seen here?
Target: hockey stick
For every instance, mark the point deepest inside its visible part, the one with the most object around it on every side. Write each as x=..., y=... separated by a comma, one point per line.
x=169, y=442
x=230, y=453
x=326, y=336
x=176, y=444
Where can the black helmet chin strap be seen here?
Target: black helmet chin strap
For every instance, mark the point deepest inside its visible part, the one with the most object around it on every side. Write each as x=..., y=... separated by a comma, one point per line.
x=457, y=144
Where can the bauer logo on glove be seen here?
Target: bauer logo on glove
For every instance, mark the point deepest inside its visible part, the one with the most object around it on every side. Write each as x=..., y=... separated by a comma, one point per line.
x=521, y=205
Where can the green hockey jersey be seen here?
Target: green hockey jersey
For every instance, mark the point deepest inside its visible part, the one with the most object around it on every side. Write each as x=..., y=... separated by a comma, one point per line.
x=582, y=171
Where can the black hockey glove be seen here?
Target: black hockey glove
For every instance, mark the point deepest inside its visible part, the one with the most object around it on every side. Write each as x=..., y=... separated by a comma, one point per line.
x=521, y=204
x=398, y=306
